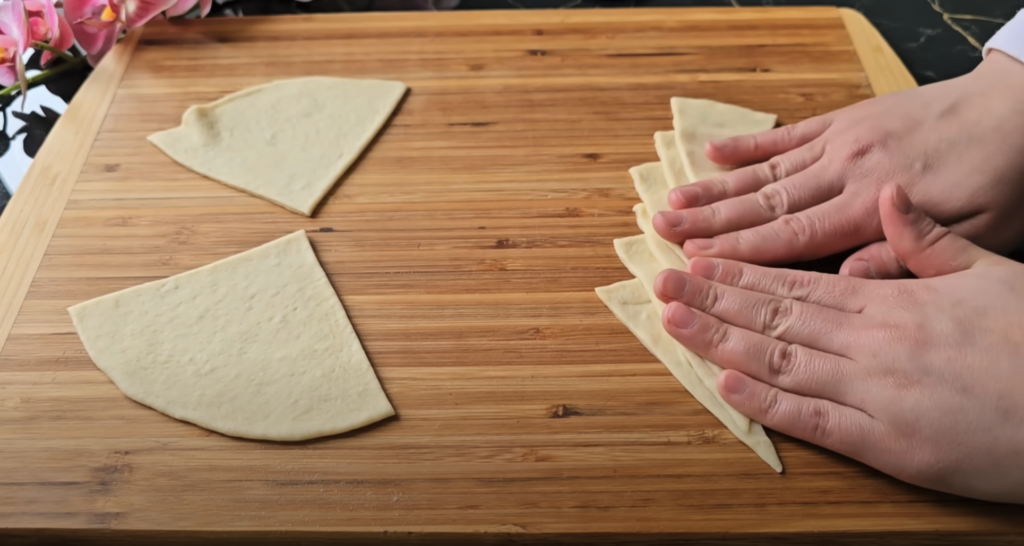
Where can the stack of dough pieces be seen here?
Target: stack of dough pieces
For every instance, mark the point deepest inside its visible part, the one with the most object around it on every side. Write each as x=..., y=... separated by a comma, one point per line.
x=633, y=302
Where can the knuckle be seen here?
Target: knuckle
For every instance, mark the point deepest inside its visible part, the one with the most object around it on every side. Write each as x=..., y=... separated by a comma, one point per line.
x=782, y=361
x=796, y=286
x=858, y=150
x=778, y=314
x=718, y=334
x=773, y=200
x=773, y=170
x=771, y=406
x=711, y=215
x=819, y=421
x=711, y=297
x=718, y=189
x=796, y=227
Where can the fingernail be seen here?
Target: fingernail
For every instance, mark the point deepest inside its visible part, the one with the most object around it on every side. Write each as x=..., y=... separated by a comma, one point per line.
x=702, y=244
x=673, y=220
x=673, y=286
x=901, y=201
x=861, y=269
x=735, y=383
x=681, y=316
x=684, y=197
x=705, y=269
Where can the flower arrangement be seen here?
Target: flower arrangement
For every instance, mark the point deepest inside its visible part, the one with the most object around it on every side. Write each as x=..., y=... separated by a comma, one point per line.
x=96, y=25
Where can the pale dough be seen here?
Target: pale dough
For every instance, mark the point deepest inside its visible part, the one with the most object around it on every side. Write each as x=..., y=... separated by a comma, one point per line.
x=697, y=121
x=671, y=160
x=256, y=345
x=636, y=255
x=286, y=141
x=650, y=185
x=629, y=302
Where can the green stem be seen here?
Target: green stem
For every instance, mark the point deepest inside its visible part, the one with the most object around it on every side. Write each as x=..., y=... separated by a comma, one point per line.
x=43, y=76
x=47, y=47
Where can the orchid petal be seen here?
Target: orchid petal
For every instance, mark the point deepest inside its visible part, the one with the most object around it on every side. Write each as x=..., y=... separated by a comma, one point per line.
x=109, y=40
x=181, y=7
x=8, y=75
x=140, y=12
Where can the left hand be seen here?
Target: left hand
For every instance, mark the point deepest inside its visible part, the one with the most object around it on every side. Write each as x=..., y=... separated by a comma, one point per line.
x=919, y=378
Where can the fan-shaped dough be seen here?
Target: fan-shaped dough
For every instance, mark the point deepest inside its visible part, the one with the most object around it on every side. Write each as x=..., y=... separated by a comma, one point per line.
x=286, y=141
x=256, y=345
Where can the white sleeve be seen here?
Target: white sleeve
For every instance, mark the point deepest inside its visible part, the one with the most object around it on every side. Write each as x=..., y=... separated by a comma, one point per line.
x=1010, y=38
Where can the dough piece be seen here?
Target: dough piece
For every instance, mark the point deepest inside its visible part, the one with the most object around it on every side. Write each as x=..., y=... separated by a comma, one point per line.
x=286, y=141
x=636, y=255
x=629, y=302
x=649, y=181
x=670, y=255
x=671, y=160
x=697, y=121
x=256, y=345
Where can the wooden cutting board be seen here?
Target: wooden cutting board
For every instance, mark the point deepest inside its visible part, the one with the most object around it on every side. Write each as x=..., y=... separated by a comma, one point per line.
x=466, y=246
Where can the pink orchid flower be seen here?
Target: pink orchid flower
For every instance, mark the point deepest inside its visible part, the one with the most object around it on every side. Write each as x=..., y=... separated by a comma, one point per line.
x=97, y=24
x=48, y=26
x=14, y=41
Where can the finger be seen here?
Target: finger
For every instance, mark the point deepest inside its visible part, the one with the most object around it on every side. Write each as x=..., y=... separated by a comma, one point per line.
x=747, y=149
x=790, y=196
x=744, y=180
x=840, y=428
x=785, y=319
x=875, y=261
x=926, y=248
x=839, y=293
x=789, y=366
x=826, y=229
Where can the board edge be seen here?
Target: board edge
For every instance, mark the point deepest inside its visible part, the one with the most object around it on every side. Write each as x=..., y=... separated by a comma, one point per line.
x=35, y=209
x=885, y=71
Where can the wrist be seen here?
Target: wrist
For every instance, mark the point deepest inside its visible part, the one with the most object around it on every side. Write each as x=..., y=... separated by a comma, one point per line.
x=1001, y=71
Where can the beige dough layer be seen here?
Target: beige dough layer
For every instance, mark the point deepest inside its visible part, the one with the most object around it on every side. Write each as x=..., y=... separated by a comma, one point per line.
x=286, y=141
x=634, y=303
x=256, y=346
x=697, y=121
x=629, y=302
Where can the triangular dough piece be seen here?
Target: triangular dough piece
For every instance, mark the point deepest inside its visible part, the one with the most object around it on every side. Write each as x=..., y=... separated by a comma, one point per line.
x=286, y=141
x=697, y=121
x=636, y=255
x=671, y=160
x=629, y=302
x=650, y=185
x=256, y=345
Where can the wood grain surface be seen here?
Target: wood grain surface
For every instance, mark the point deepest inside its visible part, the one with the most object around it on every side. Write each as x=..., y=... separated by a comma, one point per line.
x=465, y=245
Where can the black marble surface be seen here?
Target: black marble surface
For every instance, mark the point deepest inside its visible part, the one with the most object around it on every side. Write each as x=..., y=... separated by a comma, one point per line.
x=936, y=39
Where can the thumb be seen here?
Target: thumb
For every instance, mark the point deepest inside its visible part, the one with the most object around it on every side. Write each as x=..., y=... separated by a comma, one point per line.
x=925, y=248
x=875, y=261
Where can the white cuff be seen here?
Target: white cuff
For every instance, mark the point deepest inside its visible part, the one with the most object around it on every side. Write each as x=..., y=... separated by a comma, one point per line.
x=1009, y=39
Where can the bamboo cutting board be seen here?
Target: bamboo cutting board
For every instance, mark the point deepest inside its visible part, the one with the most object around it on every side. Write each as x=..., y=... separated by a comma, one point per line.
x=465, y=246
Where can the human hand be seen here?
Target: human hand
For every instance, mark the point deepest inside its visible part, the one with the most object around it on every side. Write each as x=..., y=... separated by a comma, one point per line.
x=919, y=378
x=957, y=147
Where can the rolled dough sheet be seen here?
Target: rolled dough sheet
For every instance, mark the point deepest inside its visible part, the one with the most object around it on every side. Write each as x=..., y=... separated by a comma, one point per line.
x=635, y=254
x=286, y=141
x=629, y=302
x=256, y=345
x=696, y=121
x=650, y=185
x=670, y=158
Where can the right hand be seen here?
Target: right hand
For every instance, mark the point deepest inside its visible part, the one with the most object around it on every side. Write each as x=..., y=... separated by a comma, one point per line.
x=957, y=147
x=919, y=378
